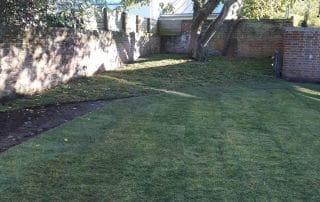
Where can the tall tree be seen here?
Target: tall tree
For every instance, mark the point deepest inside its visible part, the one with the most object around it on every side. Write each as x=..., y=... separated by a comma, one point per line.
x=200, y=34
x=254, y=9
x=23, y=12
x=258, y=9
x=124, y=4
x=34, y=12
x=306, y=12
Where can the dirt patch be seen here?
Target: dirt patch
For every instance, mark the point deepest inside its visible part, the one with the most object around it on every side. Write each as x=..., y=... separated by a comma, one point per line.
x=21, y=125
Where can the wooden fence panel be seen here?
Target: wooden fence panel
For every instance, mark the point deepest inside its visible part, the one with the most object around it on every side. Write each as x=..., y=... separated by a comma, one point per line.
x=114, y=21
x=131, y=23
x=110, y=20
x=153, y=26
x=143, y=25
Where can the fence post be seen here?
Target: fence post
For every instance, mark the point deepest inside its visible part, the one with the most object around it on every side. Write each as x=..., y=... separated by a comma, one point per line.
x=137, y=23
x=124, y=21
x=105, y=19
x=148, y=25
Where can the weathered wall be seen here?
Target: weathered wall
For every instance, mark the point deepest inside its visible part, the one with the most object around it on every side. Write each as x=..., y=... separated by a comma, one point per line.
x=252, y=38
x=301, y=58
x=34, y=60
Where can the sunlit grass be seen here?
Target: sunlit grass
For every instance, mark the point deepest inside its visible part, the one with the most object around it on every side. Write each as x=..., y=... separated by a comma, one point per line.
x=307, y=90
x=159, y=72
x=157, y=61
x=224, y=130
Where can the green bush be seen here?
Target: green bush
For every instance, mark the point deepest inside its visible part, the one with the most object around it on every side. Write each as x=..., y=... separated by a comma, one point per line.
x=64, y=19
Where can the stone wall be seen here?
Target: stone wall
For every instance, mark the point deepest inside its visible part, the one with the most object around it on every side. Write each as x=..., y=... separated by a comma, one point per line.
x=34, y=60
x=301, y=58
x=252, y=38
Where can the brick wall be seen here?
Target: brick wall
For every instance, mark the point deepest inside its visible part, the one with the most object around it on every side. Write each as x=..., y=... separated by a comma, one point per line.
x=301, y=58
x=34, y=60
x=252, y=38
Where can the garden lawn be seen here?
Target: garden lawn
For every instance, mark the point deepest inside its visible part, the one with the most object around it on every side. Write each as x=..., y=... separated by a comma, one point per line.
x=221, y=130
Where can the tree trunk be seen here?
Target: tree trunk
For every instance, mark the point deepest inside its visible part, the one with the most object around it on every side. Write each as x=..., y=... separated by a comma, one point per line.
x=227, y=40
x=200, y=15
x=200, y=37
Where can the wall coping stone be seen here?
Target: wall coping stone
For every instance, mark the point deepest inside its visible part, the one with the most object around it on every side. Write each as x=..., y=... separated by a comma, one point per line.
x=302, y=29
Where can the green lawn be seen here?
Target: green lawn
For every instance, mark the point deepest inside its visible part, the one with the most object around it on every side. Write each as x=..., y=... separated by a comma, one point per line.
x=221, y=130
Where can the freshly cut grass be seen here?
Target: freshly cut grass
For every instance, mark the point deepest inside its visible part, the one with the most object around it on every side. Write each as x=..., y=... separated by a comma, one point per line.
x=221, y=130
x=161, y=71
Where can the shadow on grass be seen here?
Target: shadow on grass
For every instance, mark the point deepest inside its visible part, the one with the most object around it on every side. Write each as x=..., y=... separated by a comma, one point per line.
x=185, y=73
x=38, y=59
x=168, y=74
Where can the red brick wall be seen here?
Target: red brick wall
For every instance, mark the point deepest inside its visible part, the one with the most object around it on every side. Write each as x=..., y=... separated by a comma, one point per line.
x=34, y=60
x=252, y=38
x=301, y=58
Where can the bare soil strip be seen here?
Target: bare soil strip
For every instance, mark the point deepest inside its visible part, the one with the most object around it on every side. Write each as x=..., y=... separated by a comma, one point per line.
x=21, y=125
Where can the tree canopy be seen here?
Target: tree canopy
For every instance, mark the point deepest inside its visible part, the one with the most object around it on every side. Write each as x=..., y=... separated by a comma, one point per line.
x=301, y=10
x=35, y=12
x=256, y=9
x=23, y=11
x=27, y=11
x=264, y=9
